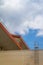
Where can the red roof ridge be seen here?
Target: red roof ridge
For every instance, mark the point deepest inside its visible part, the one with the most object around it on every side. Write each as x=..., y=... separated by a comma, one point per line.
x=11, y=36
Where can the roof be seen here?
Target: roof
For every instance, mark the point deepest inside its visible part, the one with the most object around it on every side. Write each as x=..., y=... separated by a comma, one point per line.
x=20, y=40
x=9, y=41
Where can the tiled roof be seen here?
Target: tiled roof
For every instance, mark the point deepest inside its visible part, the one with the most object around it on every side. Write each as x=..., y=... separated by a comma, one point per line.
x=14, y=38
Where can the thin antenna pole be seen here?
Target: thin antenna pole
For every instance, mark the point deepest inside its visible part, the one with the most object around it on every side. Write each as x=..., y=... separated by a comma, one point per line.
x=36, y=54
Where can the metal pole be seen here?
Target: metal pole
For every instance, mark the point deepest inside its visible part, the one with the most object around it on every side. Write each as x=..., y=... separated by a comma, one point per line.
x=36, y=54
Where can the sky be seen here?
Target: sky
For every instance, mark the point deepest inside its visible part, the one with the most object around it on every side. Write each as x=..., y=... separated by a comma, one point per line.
x=25, y=18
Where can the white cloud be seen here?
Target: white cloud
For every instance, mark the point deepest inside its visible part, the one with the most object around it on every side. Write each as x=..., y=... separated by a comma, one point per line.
x=40, y=33
x=37, y=24
x=20, y=16
x=11, y=4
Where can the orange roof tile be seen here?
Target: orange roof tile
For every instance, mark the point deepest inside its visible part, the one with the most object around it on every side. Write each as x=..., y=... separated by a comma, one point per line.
x=12, y=37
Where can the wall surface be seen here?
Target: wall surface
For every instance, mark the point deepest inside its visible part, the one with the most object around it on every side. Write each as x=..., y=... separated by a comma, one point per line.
x=6, y=43
x=11, y=42
x=20, y=57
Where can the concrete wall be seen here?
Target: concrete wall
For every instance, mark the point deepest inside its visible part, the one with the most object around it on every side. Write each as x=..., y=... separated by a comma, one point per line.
x=20, y=57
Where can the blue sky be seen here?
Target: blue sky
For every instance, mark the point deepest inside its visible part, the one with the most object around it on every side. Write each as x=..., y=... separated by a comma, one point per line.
x=24, y=17
x=31, y=39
